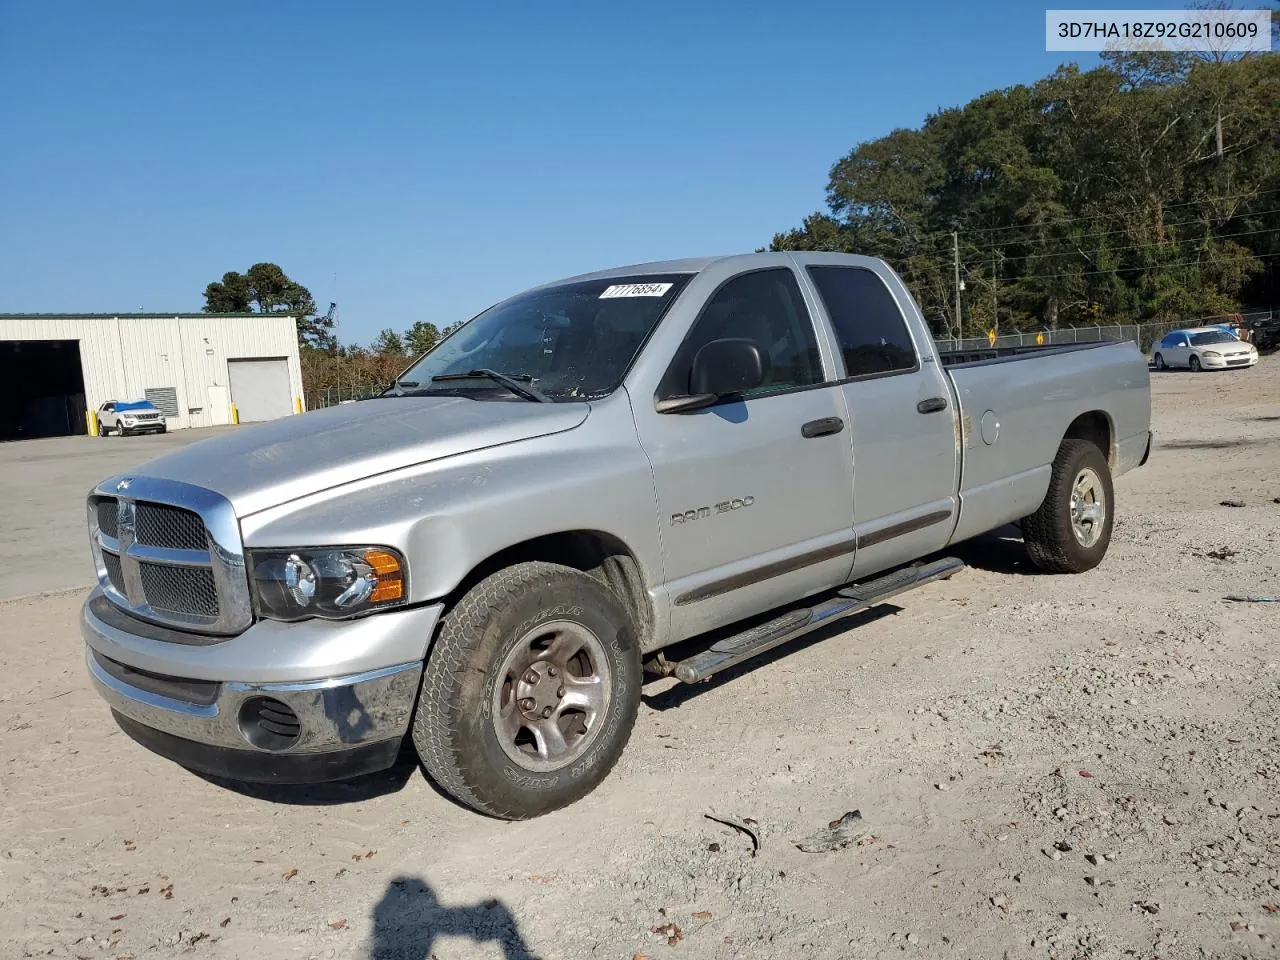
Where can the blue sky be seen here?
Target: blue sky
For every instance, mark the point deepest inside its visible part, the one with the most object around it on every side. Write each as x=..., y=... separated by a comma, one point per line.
x=418, y=161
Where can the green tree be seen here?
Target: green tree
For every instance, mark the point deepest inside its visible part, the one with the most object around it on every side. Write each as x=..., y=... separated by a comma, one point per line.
x=230, y=295
x=388, y=343
x=1145, y=189
x=421, y=337
x=265, y=288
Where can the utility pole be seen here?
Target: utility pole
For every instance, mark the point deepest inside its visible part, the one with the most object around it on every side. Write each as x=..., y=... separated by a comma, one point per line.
x=955, y=251
x=995, y=307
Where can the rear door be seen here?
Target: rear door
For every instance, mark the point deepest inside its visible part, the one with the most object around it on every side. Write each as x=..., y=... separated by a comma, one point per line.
x=754, y=493
x=905, y=461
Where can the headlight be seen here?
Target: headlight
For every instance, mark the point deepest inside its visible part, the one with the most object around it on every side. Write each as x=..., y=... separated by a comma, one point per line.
x=1212, y=353
x=330, y=582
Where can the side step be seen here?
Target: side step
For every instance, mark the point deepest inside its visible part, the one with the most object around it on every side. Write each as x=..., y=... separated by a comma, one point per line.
x=851, y=599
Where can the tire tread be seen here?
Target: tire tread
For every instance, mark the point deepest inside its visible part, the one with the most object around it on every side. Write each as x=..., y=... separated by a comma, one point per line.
x=434, y=724
x=1047, y=532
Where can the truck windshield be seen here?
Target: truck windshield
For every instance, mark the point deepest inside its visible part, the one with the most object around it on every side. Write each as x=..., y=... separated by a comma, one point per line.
x=571, y=341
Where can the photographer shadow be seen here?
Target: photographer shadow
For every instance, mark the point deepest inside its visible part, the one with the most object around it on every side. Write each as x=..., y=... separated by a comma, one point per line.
x=409, y=919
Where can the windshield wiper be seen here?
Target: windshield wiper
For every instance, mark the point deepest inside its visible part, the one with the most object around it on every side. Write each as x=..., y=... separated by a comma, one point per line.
x=510, y=381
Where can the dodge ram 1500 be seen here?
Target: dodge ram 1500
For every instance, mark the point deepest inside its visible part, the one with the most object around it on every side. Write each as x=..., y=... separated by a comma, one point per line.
x=485, y=558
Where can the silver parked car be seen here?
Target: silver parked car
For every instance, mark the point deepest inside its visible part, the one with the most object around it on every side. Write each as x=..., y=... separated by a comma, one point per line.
x=568, y=484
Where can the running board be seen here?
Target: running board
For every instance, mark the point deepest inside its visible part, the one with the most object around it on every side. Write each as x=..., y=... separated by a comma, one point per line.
x=796, y=623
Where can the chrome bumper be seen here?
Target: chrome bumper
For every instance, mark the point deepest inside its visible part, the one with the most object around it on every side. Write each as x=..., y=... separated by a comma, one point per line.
x=335, y=714
x=188, y=701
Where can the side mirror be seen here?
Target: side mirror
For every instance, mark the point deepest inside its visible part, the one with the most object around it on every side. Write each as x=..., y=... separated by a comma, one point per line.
x=720, y=368
x=724, y=367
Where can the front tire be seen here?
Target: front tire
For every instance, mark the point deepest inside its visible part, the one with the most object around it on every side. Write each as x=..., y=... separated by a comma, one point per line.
x=530, y=692
x=1194, y=364
x=1071, y=530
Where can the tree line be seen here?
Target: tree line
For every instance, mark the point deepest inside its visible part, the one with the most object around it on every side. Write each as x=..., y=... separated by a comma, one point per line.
x=1147, y=189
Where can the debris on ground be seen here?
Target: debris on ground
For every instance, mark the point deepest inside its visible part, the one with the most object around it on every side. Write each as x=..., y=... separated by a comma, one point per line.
x=1232, y=503
x=744, y=826
x=1243, y=598
x=838, y=834
x=671, y=930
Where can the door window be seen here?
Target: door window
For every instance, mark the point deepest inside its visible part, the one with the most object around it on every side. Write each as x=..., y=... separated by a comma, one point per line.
x=872, y=332
x=765, y=306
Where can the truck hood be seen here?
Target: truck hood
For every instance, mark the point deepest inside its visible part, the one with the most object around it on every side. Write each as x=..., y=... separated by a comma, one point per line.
x=264, y=465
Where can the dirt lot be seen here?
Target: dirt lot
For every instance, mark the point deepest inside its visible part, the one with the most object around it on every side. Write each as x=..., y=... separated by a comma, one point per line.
x=45, y=483
x=1048, y=767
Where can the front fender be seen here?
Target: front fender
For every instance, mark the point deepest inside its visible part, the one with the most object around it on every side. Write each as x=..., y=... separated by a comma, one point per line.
x=450, y=515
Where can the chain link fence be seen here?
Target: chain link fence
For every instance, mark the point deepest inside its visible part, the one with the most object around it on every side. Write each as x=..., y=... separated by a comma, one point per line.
x=1144, y=335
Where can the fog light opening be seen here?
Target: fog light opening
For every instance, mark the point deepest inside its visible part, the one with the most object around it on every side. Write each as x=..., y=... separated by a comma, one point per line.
x=269, y=724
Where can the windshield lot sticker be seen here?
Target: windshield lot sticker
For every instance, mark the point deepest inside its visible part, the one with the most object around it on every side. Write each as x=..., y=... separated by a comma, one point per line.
x=635, y=290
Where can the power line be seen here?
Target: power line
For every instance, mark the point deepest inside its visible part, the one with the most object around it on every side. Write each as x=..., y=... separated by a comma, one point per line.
x=1104, y=233
x=1101, y=216
x=1158, y=266
x=1135, y=246
x=944, y=237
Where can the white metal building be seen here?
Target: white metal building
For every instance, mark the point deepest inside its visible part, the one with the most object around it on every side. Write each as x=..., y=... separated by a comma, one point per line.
x=198, y=369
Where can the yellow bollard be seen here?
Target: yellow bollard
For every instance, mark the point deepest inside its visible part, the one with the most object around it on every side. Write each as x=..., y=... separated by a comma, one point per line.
x=235, y=414
x=297, y=404
x=91, y=419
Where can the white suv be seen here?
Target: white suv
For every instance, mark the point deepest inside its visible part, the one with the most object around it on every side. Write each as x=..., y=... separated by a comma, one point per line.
x=129, y=416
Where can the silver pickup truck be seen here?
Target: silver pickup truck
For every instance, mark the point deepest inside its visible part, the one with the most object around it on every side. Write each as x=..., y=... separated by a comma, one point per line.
x=728, y=452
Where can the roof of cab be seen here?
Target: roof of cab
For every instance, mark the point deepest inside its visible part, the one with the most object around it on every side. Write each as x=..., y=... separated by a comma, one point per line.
x=697, y=265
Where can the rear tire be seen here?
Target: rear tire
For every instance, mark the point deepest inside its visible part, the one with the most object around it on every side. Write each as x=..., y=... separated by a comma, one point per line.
x=1160, y=364
x=1194, y=364
x=505, y=654
x=1071, y=530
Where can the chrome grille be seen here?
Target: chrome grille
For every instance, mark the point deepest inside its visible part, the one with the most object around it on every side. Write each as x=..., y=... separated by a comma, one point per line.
x=112, y=563
x=181, y=591
x=170, y=553
x=108, y=517
x=159, y=525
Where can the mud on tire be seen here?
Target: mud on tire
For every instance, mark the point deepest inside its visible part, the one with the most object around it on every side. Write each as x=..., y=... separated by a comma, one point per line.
x=498, y=663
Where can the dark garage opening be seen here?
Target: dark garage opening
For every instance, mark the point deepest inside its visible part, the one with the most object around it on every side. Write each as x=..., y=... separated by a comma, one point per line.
x=41, y=389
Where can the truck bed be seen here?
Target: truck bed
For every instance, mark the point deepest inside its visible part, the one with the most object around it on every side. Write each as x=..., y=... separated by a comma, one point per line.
x=1016, y=404
x=989, y=355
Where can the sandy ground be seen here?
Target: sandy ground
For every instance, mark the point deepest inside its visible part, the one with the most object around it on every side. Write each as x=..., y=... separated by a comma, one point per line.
x=1047, y=766
x=45, y=484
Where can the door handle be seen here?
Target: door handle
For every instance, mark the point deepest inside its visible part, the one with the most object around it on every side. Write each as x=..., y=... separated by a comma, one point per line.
x=821, y=428
x=932, y=405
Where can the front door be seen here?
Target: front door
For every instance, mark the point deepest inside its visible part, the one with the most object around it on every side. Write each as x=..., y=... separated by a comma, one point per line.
x=755, y=493
x=905, y=465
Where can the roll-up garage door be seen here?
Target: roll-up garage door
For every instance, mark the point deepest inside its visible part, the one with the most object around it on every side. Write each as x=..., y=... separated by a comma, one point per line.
x=260, y=388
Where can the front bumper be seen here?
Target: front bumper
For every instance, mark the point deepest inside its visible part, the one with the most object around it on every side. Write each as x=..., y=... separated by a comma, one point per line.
x=174, y=697
x=1228, y=363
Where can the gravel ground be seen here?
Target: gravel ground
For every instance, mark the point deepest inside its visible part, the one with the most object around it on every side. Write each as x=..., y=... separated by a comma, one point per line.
x=1044, y=766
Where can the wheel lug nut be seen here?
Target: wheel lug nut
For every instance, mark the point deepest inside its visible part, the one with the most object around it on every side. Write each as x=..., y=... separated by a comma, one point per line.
x=560, y=692
x=546, y=712
x=527, y=703
x=531, y=677
x=551, y=671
